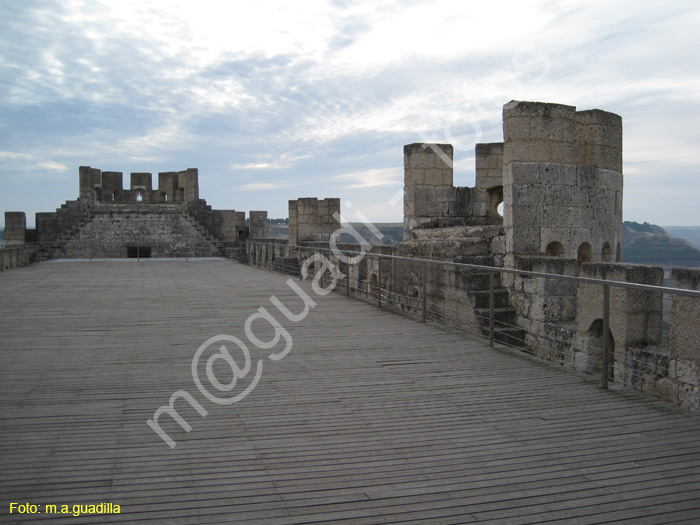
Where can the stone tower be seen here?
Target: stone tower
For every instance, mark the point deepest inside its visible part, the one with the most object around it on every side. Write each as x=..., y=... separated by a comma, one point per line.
x=562, y=182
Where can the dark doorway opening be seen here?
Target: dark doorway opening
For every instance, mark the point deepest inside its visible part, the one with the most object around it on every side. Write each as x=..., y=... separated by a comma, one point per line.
x=142, y=252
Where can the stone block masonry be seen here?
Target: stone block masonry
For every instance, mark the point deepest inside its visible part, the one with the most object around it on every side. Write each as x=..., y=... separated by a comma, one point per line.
x=258, y=224
x=685, y=337
x=107, y=187
x=119, y=233
x=311, y=219
x=15, y=227
x=108, y=220
x=562, y=182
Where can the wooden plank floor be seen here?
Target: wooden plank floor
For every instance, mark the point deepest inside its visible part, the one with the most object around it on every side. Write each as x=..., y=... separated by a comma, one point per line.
x=371, y=417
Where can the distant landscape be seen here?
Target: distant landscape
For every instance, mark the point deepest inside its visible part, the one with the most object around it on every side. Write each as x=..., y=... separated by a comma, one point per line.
x=650, y=244
x=689, y=233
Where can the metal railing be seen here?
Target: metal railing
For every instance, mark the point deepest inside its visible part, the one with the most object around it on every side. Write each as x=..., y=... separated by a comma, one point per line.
x=276, y=257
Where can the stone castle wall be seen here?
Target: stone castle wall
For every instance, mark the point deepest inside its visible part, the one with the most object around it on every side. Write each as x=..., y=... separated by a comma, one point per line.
x=159, y=233
x=108, y=220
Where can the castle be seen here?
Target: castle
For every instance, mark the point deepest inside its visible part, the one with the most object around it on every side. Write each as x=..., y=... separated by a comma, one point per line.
x=558, y=177
x=108, y=220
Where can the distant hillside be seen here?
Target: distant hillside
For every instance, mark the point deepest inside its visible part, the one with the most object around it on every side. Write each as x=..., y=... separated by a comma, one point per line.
x=650, y=244
x=689, y=233
x=392, y=233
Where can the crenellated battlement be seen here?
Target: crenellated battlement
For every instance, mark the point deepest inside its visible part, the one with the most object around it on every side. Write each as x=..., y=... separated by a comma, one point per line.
x=105, y=187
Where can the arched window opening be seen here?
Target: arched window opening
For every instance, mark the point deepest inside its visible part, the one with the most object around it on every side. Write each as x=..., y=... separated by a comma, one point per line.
x=606, y=253
x=584, y=254
x=554, y=249
x=139, y=197
x=618, y=254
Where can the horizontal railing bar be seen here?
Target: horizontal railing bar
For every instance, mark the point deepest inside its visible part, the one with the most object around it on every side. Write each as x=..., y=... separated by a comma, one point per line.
x=588, y=280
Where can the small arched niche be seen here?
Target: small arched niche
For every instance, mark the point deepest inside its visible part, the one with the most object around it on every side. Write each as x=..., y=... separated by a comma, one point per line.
x=584, y=253
x=606, y=253
x=554, y=249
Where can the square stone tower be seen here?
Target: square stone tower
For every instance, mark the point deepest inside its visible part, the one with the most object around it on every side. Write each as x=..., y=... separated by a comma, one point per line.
x=311, y=219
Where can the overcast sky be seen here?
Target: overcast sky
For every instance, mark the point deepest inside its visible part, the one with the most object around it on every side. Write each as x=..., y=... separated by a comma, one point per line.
x=275, y=100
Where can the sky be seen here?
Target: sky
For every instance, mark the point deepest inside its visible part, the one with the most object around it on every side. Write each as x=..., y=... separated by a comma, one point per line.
x=277, y=100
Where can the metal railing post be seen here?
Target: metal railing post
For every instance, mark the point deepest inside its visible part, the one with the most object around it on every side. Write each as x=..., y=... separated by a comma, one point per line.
x=300, y=259
x=316, y=267
x=347, y=278
x=379, y=282
x=606, y=330
x=492, y=288
x=424, y=292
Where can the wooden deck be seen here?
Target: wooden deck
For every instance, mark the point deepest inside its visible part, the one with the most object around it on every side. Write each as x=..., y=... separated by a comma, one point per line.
x=371, y=418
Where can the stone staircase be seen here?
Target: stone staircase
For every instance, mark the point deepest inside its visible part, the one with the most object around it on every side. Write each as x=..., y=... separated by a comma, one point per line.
x=476, y=285
x=204, y=232
x=471, y=245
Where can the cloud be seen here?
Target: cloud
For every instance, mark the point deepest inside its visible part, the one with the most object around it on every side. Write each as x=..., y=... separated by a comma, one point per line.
x=53, y=166
x=282, y=162
x=320, y=96
x=373, y=177
x=26, y=162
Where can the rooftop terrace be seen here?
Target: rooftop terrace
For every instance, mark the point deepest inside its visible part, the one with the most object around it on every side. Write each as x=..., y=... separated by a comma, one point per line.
x=370, y=418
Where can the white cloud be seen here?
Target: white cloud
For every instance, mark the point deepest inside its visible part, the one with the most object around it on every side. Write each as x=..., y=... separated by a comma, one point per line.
x=282, y=162
x=373, y=177
x=233, y=86
x=52, y=166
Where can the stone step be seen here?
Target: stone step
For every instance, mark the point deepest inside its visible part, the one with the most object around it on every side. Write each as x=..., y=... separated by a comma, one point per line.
x=508, y=336
x=504, y=317
x=475, y=280
x=480, y=298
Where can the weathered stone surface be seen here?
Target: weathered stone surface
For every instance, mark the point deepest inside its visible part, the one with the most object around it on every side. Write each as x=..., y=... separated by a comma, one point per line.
x=311, y=219
x=685, y=317
x=15, y=227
